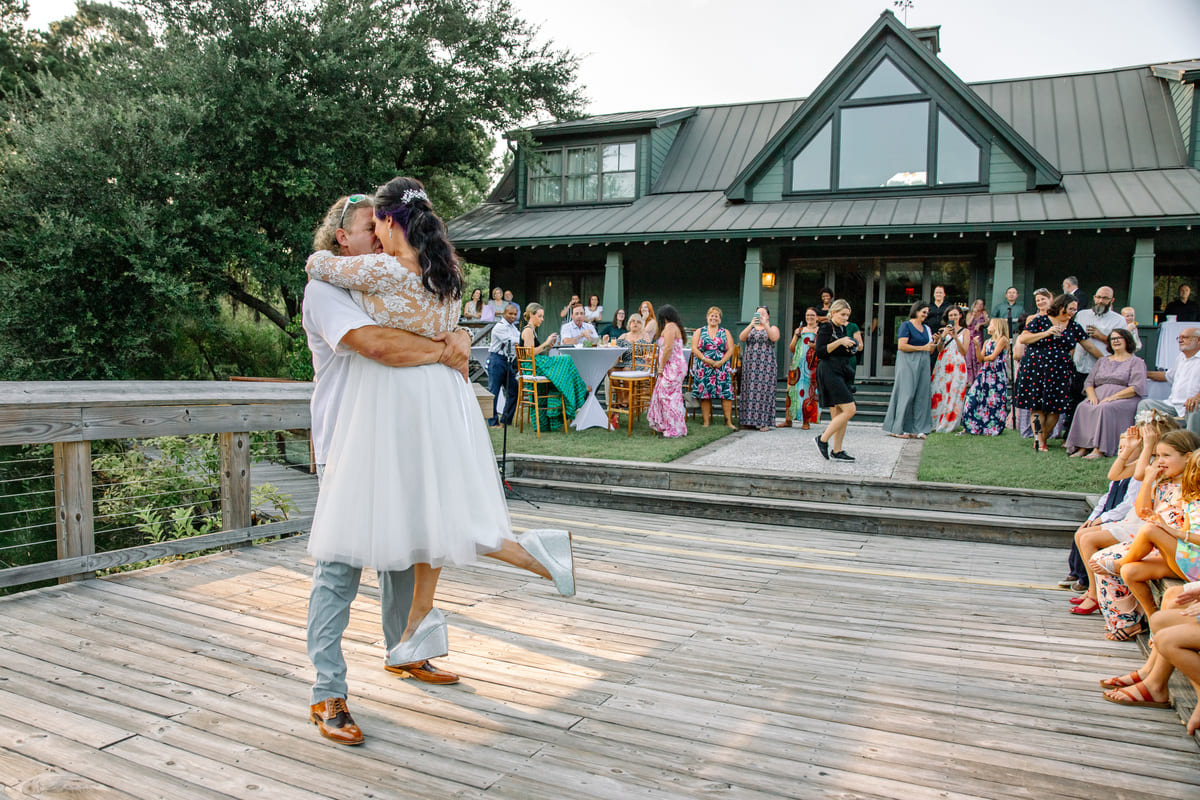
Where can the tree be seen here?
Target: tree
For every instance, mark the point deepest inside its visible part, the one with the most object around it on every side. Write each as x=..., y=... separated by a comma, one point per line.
x=190, y=166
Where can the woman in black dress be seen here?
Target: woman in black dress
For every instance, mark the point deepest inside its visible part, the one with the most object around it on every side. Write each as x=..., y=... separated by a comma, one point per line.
x=835, y=376
x=1047, y=369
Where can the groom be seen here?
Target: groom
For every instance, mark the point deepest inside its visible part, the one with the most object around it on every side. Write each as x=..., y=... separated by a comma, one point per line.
x=339, y=331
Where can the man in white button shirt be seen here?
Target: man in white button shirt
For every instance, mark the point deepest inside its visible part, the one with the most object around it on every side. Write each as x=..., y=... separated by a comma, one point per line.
x=338, y=331
x=1098, y=321
x=1184, y=377
x=578, y=330
x=502, y=365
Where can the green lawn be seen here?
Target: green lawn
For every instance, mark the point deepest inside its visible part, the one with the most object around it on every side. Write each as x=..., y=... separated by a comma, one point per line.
x=644, y=445
x=1008, y=460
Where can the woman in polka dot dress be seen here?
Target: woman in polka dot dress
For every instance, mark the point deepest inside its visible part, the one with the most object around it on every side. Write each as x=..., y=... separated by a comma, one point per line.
x=1044, y=382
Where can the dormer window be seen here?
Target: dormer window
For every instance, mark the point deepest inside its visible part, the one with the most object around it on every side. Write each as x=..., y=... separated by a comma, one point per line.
x=588, y=173
x=888, y=133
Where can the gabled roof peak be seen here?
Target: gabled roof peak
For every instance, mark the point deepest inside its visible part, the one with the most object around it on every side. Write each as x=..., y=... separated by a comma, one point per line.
x=887, y=37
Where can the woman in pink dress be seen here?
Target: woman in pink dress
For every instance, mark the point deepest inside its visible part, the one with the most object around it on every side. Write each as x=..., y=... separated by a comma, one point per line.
x=666, y=414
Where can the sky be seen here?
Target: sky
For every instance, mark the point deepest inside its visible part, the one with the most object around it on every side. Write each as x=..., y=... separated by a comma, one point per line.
x=646, y=54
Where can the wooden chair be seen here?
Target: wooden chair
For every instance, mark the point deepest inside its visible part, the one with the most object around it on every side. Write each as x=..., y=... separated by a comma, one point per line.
x=534, y=391
x=630, y=390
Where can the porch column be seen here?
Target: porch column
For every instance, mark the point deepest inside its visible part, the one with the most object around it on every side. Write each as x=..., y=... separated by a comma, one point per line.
x=1002, y=275
x=1141, y=280
x=614, y=282
x=751, y=284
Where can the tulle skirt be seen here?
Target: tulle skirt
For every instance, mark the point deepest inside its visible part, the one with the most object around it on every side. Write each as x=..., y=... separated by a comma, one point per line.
x=411, y=475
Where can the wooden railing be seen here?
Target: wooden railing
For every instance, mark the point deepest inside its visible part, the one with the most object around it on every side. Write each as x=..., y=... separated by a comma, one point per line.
x=71, y=415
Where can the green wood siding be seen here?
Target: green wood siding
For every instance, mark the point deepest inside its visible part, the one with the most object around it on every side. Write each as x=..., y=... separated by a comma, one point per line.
x=1005, y=175
x=690, y=277
x=1183, y=95
x=770, y=186
x=661, y=140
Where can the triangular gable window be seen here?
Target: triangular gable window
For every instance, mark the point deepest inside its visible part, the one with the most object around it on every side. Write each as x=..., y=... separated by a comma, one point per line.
x=810, y=167
x=887, y=134
x=885, y=81
x=957, y=154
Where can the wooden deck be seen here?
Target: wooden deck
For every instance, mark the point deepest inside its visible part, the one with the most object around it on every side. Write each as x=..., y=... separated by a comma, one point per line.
x=698, y=660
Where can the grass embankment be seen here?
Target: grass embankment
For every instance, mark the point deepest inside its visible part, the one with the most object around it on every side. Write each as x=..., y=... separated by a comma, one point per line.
x=644, y=445
x=1008, y=460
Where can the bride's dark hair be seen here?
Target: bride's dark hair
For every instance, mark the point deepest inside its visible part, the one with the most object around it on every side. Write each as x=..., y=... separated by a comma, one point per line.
x=405, y=201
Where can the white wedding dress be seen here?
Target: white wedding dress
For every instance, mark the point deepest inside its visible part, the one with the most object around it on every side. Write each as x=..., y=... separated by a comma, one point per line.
x=411, y=475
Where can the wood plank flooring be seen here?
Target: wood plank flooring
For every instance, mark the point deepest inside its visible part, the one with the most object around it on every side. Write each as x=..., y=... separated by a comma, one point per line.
x=699, y=659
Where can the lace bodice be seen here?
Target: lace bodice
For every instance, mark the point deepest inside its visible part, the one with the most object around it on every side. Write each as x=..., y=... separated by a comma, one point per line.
x=391, y=294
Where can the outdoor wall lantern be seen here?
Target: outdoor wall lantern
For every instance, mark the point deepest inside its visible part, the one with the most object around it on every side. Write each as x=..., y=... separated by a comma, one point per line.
x=768, y=280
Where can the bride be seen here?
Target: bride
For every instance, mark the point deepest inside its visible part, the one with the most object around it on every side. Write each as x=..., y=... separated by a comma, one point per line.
x=411, y=478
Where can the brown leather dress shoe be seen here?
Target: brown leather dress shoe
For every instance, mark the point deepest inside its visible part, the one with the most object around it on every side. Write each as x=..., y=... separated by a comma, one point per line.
x=424, y=671
x=333, y=720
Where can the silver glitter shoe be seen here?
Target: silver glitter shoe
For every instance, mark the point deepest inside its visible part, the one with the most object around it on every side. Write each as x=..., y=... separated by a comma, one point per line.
x=429, y=640
x=552, y=549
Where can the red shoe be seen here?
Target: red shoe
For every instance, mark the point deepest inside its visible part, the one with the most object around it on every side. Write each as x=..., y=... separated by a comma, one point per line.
x=1092, y=609
x=1077, y=600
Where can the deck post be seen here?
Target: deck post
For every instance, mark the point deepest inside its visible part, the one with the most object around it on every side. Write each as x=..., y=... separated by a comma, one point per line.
x=73, y=502
x=1141, y=279
x=234, y=450
x=1002, y=275
x=614, y=281
x=751, y=284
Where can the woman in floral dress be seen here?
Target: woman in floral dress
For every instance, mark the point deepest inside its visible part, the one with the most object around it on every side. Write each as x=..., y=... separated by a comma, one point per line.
x=712, y=374
x=987, y=399
x=666, y=413
x=756, y=407
x=802, y=377
x=950, y=373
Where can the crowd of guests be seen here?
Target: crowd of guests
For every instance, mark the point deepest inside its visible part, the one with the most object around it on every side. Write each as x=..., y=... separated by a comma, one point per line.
x=1075, y=374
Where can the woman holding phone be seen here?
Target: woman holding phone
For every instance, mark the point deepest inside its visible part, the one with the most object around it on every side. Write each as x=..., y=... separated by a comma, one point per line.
x=756, y=407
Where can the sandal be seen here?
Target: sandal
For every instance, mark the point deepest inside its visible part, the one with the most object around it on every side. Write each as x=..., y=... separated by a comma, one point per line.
x=1135, y=695
x=1124, y=634
x=1121, y=681
x=1079, y=599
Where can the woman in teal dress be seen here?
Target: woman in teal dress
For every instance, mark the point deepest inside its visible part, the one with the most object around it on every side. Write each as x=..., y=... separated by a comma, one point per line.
x=561, y=370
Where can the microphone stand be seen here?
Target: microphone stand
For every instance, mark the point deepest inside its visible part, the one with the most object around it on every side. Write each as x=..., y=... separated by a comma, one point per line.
x=509, y=491
x=1012, y=383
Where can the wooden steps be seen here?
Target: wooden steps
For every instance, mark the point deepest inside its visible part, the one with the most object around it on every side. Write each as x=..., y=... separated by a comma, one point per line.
x=874, y=506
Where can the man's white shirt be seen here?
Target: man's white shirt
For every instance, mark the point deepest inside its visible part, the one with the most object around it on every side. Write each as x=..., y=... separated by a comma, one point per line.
x=505, y=338
x=572, y=331
x=1184, y=377
x=1106, y=322
x=329, y=313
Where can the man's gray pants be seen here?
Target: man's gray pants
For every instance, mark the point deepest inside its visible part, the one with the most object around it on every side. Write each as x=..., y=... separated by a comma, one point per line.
x=334, y=587
x=1191, y=420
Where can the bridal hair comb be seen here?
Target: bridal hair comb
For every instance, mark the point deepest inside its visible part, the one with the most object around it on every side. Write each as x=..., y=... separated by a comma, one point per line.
x=413, y=194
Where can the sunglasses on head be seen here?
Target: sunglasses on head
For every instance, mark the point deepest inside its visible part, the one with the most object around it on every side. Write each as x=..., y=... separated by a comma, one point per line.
x=351, y=200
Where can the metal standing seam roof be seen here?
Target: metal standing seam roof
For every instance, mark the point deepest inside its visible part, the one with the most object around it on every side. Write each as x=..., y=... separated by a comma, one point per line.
x=1170, y=196
x=1113, y=134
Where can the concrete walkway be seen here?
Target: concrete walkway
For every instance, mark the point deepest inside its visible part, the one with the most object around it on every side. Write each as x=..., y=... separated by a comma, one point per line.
x=792, y=451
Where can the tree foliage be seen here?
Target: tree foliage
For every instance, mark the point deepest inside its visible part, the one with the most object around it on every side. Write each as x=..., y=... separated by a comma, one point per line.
x=186, y=163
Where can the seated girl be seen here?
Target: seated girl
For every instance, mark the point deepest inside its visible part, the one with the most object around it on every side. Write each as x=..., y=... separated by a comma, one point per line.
x=1133, y=458
x=1158, y=498
x=1172, y=536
